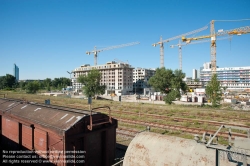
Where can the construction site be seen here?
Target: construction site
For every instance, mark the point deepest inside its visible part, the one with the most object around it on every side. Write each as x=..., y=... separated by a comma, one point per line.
x=122, y=79
x=137, y=132
x=126, y=128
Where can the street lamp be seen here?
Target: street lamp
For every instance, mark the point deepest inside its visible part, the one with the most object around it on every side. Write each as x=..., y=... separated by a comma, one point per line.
x=70, y=78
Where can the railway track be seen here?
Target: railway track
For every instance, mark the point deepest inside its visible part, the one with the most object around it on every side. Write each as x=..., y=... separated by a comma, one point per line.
x=228, y=118
x=178, y=119
x=126, y=132
x=131, y=133
x=181, y=128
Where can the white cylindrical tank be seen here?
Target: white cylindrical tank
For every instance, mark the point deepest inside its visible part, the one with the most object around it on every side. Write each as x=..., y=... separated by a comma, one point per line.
x=152, y=149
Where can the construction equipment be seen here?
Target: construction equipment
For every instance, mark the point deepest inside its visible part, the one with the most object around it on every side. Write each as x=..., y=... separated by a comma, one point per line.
x=184, y=44
x=213, y=35
x=95, y=51
x=173, y=38
x=119, y=61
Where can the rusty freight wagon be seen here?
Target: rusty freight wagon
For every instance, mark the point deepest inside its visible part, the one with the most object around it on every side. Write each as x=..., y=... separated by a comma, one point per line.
x=56, y=135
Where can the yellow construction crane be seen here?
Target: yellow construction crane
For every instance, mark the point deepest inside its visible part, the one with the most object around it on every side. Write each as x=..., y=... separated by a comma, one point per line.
x=173, y=38
x=95, y=51
x=184, y=44
x=213, y=35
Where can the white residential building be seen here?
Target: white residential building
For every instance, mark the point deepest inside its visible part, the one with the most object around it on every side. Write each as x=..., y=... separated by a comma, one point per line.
x=118, y=77
x=141, y=77
x=230, y=77
x=194, y=74
x=198, y=74
x=207, y=65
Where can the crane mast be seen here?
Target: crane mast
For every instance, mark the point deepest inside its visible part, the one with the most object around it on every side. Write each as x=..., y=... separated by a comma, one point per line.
x=161, y=53
x=95, y=51
x=213, y=47
x=161, y=43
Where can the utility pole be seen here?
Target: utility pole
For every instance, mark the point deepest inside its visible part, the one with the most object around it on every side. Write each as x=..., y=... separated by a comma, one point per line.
x=70, y=79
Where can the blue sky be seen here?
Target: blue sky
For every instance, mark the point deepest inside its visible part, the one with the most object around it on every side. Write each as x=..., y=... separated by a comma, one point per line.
x=47, y=38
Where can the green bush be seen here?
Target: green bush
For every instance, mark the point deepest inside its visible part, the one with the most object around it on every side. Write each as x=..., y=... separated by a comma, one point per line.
x=171, y=96
x=9, y=89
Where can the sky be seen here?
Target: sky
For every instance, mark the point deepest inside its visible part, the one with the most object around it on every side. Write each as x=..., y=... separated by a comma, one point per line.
x=47, y=38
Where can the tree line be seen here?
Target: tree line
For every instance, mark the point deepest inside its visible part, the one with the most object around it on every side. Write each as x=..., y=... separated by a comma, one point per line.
x=9, y=82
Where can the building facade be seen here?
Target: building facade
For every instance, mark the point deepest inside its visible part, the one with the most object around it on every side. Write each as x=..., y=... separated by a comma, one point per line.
x=192, y=84
x=118, y=77
x=230, y=77
x=141, y=77
x=207, y=65
x=194, y=74
x=16, y=72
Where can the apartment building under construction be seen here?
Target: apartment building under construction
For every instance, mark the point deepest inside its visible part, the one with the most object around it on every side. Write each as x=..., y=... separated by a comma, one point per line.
x=141, y=77
x=118, y=77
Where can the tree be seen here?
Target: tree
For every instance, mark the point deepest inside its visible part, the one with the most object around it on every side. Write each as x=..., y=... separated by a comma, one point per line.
x=213, y=90
x=168, y=82
x=8, y=82
x=32, y=87
x=22, y=85
x=59, y=83
x=91, y=83
x=161, y=81
x=171, y=96
x=65, y=81
x=56, y=82
x=196, y=80
x=47, y=84
x=2, y=82
x=177, y=82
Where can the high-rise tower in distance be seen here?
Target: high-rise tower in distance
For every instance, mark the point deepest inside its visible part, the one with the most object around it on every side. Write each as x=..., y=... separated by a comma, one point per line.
x=16, y=72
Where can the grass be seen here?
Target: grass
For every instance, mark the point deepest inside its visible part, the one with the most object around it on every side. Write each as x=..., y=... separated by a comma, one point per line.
x=222, y=141
x=247, y=123
x=187, y=124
